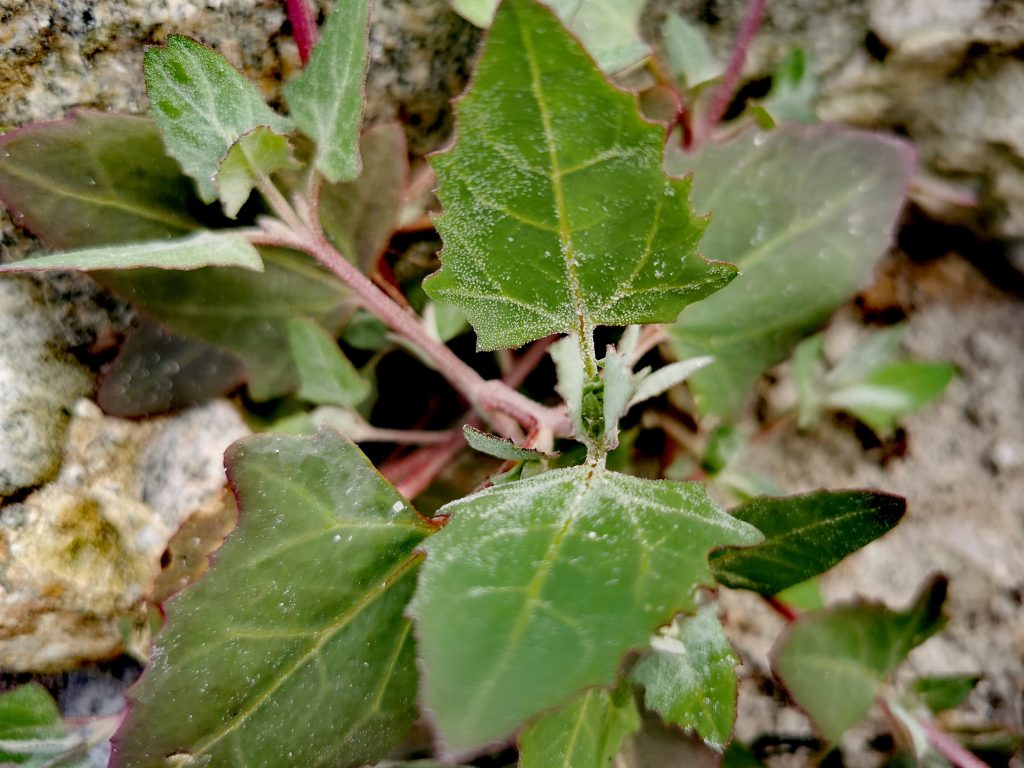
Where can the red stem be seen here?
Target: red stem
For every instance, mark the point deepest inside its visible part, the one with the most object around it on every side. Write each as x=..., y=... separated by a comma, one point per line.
x=949, y=747
x=782, y=609
x=304, y=31
x=726, y=89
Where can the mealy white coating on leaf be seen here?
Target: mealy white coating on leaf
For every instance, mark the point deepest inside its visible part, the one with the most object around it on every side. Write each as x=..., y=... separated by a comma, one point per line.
x=663, y=379
x=202, y=105
x=618, y=391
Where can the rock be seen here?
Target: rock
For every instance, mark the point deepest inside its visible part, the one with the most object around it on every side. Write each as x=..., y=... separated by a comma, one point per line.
x=78, y=556
x=38, y=385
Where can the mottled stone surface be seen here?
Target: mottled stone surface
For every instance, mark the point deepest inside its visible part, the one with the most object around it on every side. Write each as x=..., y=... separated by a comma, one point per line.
x=38, y=385
x=78, y=556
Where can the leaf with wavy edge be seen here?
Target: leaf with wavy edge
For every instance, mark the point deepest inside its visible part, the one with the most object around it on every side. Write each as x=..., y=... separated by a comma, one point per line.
x=536, y=589
x=292, y=649
x=585, y=733
x=558, y=215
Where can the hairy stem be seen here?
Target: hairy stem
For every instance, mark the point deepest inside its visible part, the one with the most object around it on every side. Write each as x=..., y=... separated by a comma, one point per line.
x=726, y=88
x=300, y=14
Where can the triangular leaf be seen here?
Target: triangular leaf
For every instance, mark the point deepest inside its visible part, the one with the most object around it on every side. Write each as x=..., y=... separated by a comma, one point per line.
x=555, y=220
x=202, y=105
x=326, y=100
x=203, y=249
x=941, y=692
x=586, y=732
x=326, y=377
x=292, y=649
x=689, y=678
x=94, y=179
x=508, y=617
x=833, y=661
x=243, y=312
x=250, y=161
x=804, y=535
x=805, y=212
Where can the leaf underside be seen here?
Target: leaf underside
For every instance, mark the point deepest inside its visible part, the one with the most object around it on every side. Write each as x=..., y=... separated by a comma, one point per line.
x=804, y=536
x=537, y=588
x=292, y=649
x=805, y=212
x=833, y=661
x=557, y=214
x=689, y=678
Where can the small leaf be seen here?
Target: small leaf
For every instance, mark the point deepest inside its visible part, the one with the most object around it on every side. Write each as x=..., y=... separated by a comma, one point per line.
x=689, y=677
x=326, y=100
x=94, y=179
x=794, y=90
x=571, y=378
x=870, y=355
x=805, y=212
x=292, y=649
x=202, y=105
x=618, y=392
x=28, y=715
x=585, y=733
x=555, y=221
x=326, y=377
x=203, y=249
x=499, y=447
x=508, y=620
x=804, y=535
x=808, y=378
x=156, y=371
x=250, y=161
x=892, y=392
x=805, y=596
x=833, y=661
x=688, y=56
x=663, y=379
x=244, y=312
x=942, y=692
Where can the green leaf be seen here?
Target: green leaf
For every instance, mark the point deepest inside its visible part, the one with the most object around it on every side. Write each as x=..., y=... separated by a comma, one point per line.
x=248, y=163
x=739, y=756
x=687, y=54
x=499, y=447
x=870, y=355
x=892, y=392
x=156, y=371
x=202, y=105
x=244, y=312
x=805, y=596
x=326, y=377
x=359, y=217
x=805, y=212
x=619, y=389
x=585, y=733
x=689, y=677
x=650, y=385
x=804, y=535
x=808, y=378
x=832, y=662
x=609, y=29
x=28, y=715
x=554, y=220
x=203, y=249
x=508, y=618
x=326, y=100
x=292, y=649
x=794, y=90
x=571, y=378
x=942, y=692
x=94, y=179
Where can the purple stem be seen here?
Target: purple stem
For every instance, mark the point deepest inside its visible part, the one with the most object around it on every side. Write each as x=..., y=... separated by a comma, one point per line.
x=303, y=19
x=949, y=747
x=726, y=89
